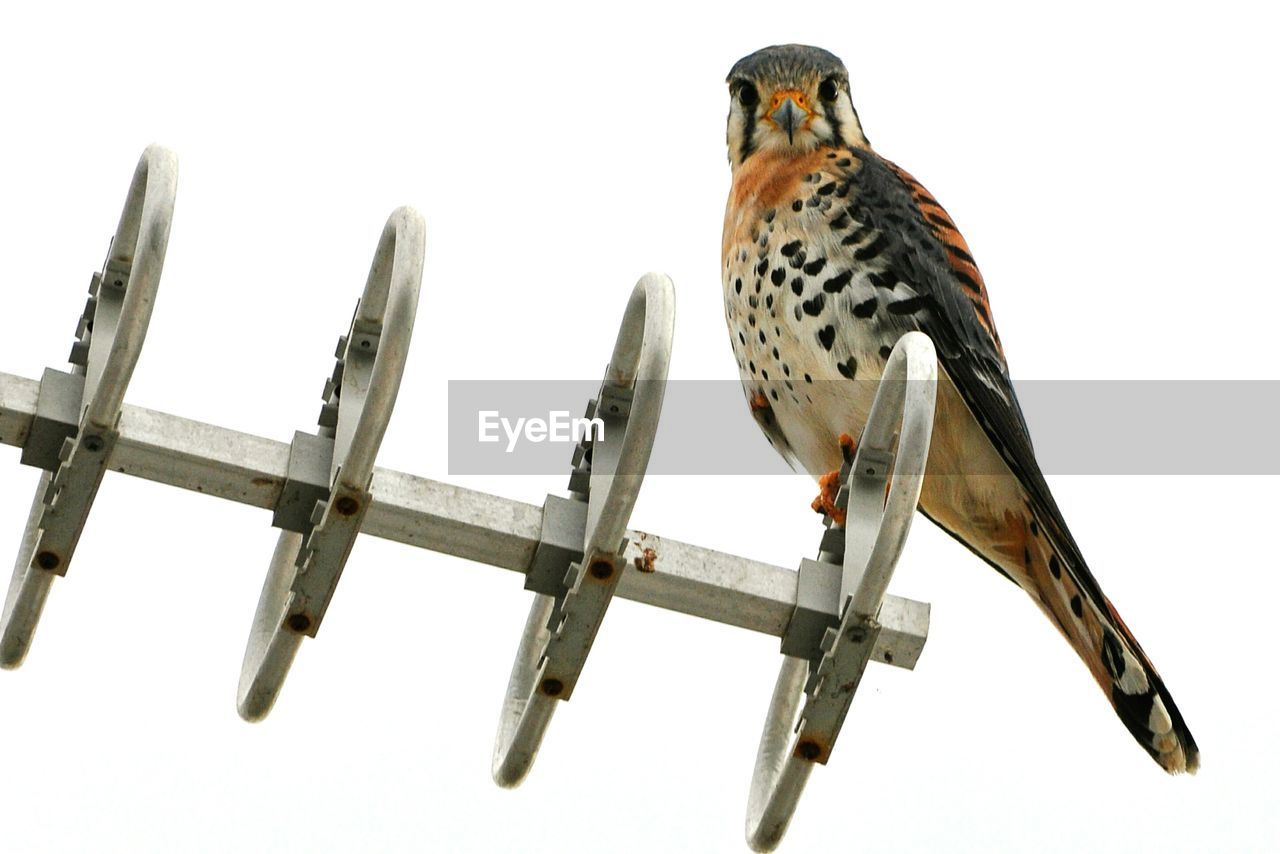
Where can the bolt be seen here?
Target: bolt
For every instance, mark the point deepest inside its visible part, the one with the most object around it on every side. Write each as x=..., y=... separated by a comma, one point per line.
x=601, y=569
x=346, y=506
x=48, y=560
x=552, y=687
x=93, y=443
x=298, y=622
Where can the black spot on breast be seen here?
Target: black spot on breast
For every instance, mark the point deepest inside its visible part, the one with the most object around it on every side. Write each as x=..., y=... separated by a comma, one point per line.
x=761, y=336
x=827, y=336
x=775, y=352
x=910, y=305
x=764, y=375
x=1035, y=529
x=808, y=378
x=837, y=283
x=753, y=301
x=886, y=279
x=797, y=286
x=773, y=392
x=844, y=161
x=841, y=222
x=1026, y=556
x=768, y=301
x=778, y=276
x=1077, y=607
x=797, y=206
x=848, y=368
x=885, y=351
x=742, y=337
x=813, y=307
x=856, y=236
x=763, y=266
x=866, y=308
x=751, y=320
x=827, y=188
x=1054, y=566
x=752, y=366
x=871, y=250
x=797, y=260
x=770, y=214
x=814, y=267
x=789, y=249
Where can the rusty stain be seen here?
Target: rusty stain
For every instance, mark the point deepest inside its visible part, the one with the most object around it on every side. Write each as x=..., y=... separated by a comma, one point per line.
x=645, y=561
x=346, y=506
x=298, y=622
x=552, y=687
x=809, y=750
x=264, y=481
x=48, y=560
x=601, y=569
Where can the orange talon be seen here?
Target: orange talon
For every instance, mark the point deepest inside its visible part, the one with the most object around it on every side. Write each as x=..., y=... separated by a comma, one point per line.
x=826, y=500
x=848, y=447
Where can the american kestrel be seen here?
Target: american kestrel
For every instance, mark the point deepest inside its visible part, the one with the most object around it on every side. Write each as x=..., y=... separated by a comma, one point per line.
x=831, y=253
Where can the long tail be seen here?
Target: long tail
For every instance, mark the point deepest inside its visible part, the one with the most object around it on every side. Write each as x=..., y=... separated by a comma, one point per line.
x=1039, y=555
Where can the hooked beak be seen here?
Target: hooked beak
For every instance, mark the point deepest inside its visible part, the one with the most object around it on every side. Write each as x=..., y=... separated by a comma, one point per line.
x=789, y=112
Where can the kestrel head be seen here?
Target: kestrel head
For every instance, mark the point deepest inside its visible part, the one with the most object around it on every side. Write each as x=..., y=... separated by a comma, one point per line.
x=790, y=98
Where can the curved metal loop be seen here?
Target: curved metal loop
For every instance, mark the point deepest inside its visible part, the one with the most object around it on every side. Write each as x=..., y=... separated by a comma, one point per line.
x=876, y=530
x=134, y=264
x=557, y=636
x=305, y=569
x=641, y=358
x=115, y=324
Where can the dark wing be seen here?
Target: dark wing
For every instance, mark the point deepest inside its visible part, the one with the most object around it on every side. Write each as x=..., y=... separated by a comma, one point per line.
x=948, y=302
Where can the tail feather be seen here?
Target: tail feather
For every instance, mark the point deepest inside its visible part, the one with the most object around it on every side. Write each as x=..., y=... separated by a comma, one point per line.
x=1057, y=578
x=1033, y=549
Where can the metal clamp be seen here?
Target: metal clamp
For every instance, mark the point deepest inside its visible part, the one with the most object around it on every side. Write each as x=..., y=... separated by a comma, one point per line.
x=74, y=440
x=314, y=546
x=875, y=532
x=562, y=626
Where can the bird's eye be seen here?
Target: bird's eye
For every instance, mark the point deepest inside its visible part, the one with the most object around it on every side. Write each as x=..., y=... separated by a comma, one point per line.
x=827, y=89
x=748, y=96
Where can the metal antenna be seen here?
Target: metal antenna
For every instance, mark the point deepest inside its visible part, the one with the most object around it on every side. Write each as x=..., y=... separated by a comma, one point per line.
x=576, y=553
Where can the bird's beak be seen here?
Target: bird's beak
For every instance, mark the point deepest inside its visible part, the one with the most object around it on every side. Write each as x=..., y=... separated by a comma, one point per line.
x=788, y=111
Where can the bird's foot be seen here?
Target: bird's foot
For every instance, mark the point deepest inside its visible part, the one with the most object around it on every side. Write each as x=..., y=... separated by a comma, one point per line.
x=829, y=483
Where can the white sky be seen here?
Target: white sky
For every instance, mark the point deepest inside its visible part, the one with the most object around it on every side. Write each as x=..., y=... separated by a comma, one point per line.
x=1114, y=172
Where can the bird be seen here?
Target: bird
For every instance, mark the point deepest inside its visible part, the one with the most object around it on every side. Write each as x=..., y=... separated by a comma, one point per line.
x=830, y=254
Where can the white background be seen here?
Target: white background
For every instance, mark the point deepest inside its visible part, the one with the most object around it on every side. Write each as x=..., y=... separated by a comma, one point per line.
x=1114, y=171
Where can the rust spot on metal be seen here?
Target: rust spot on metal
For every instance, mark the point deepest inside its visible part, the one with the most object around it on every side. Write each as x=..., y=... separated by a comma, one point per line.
x=346, y=505
x=601, y=569
x=93, y=443
x=645, y=561
x=48, y=560
x=809, y=750
x=298, y=622
x=552, y=687
x=888, y=657
x=264, y=481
